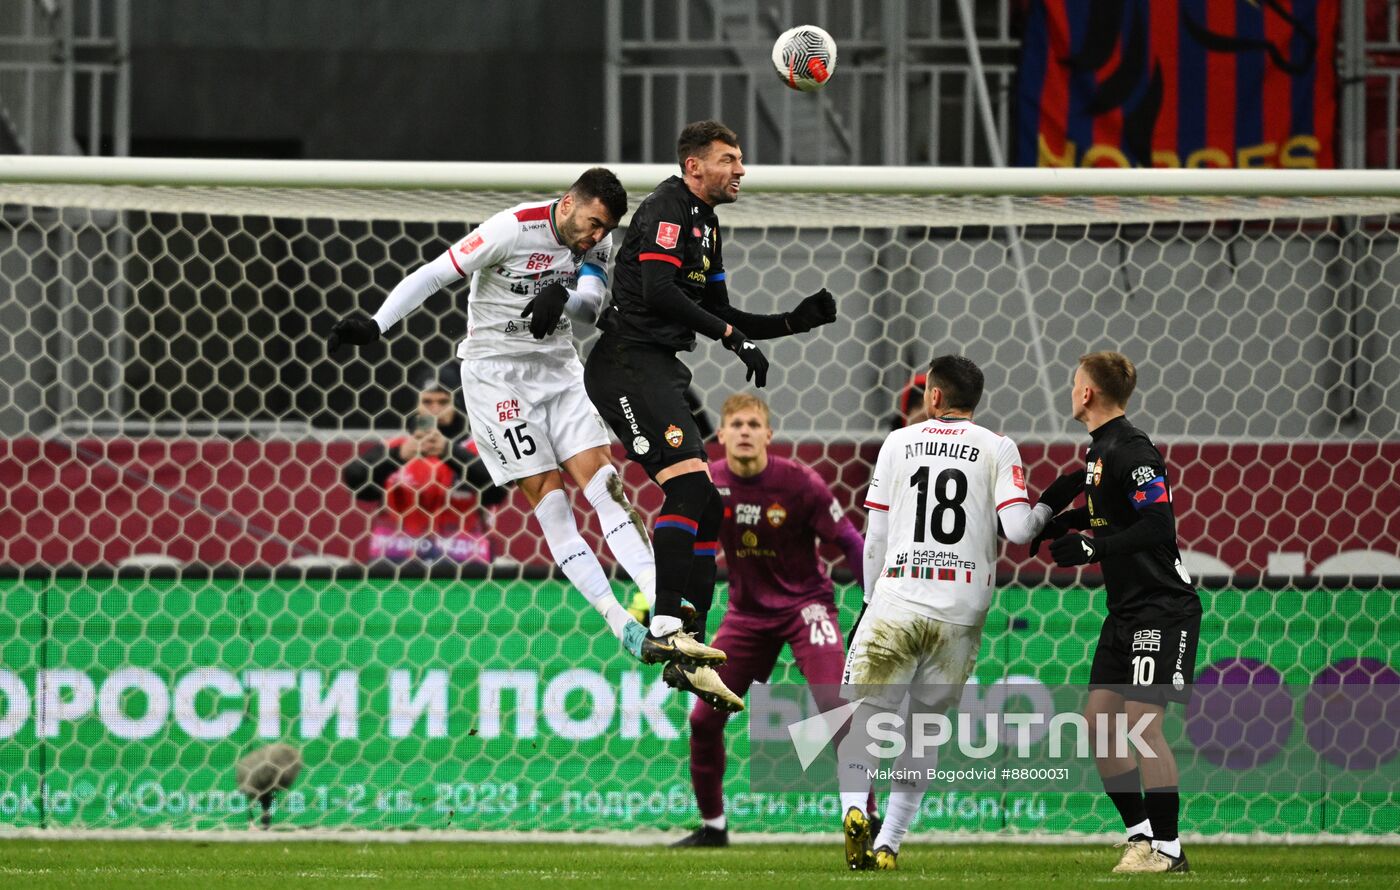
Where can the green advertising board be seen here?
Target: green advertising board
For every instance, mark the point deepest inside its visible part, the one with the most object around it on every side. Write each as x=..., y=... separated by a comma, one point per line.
x=427, y=703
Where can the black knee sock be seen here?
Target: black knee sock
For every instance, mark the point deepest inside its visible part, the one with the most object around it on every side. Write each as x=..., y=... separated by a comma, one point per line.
x=700, y=586
x=1164, y=809
x=674, y=535
x=1125, y=790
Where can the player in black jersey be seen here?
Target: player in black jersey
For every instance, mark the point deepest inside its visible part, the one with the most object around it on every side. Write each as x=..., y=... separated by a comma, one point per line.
x=669, y=284
x=1146, y=654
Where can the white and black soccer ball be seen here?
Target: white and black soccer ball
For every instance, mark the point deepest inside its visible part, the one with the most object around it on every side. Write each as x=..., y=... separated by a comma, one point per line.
x=804, y=57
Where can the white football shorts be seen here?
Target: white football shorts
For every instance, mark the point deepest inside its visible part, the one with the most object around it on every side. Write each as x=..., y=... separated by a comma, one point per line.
x=529, y=416
x=897, y=651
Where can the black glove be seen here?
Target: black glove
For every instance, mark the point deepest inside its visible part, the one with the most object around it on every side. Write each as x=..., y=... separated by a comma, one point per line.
x=1073, y=550
x=357, y=329
x=545, y=309
x=1053, y=529
x=813, y=312
x=749, y=354
x=1062, y=492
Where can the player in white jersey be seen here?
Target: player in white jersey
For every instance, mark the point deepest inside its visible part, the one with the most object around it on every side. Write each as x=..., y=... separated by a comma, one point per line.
x=936, y=495
x=522, y=382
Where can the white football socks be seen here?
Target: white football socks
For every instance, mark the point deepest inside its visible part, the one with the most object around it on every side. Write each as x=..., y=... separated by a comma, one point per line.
x=623, y=529
x=662, y=625
x=855, y=764
x=1143, y=828
x=905, y=797
x=900, y=811
x=580, y=566
x=720, y=822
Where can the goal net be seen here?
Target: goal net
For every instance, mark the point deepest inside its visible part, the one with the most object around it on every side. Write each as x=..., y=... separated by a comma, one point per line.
x=198, y=593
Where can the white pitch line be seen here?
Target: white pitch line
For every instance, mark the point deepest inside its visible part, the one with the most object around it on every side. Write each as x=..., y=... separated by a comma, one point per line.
x=648, y=838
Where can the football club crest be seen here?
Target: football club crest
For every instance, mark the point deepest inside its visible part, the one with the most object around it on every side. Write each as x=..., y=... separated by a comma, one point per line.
x=1098, y=471
x=674, y=436
x=777, y=515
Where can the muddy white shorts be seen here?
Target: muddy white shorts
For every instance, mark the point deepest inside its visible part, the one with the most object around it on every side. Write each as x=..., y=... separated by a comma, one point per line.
x=897, y=651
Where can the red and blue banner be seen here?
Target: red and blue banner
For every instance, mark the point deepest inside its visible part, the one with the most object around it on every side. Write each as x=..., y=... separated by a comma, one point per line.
x=1173, y=83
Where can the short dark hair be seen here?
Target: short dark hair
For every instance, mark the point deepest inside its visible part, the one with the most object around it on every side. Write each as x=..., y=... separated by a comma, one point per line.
x=1112, y=373
x=960, y=380
x=446, y=379
x=696, y=138
x=602, y=184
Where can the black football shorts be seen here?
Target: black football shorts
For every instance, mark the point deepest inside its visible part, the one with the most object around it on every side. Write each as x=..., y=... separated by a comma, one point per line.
x=640, y=391
x=1151, y=658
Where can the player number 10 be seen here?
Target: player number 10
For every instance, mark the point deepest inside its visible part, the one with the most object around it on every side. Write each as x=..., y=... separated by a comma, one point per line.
x=1143, y=669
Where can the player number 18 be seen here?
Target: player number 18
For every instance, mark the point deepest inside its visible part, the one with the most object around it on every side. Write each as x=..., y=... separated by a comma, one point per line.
x=945, y=502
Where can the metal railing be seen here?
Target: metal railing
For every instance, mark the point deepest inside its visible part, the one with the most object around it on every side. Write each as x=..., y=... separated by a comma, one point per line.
x=65, y=79
x=900, y=98
x=1369, y=74
x=905, y=93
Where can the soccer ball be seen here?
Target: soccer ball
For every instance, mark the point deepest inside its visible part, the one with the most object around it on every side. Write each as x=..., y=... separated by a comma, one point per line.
x=804, y=57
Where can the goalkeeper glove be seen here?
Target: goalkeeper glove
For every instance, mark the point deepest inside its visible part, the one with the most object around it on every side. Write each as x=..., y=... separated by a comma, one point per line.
x=1073, y=550
x=749, y=354
x=812, y=312
x=357, y=329
x=545, y=309
x=1062, y=492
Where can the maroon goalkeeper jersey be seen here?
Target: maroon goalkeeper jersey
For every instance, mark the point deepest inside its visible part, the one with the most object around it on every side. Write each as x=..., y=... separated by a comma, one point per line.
x=771, y=525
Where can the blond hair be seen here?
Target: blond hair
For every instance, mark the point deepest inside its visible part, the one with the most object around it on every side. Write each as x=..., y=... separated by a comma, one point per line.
x=743, y=401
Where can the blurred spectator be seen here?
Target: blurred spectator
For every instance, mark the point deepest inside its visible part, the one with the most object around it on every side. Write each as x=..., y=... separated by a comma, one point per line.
x=433, y=487
x=910, y=406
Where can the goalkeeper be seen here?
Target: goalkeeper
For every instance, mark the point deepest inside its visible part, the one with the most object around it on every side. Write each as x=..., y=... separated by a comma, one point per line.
x=1146, y=654
x=775, y=512
x=532, y=267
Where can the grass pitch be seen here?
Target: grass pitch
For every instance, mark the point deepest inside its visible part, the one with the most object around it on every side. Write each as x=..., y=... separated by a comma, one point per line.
x=157, y=865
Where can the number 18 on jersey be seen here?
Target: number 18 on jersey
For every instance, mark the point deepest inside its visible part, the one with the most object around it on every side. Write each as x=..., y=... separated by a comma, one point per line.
x=943, y=482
